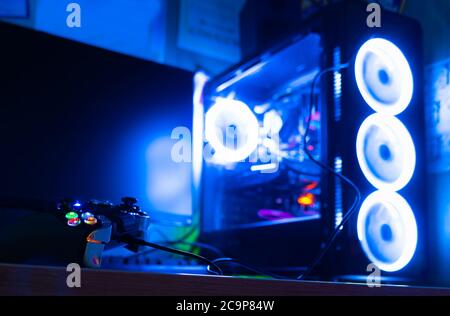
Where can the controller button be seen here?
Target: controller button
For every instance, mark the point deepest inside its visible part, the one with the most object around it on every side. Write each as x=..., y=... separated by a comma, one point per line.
x=74, y=222
x=71, y=215
x=91, y=220
x=86, y=215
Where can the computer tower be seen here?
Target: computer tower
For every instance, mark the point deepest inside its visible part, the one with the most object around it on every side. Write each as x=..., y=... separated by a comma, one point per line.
x=262, y=196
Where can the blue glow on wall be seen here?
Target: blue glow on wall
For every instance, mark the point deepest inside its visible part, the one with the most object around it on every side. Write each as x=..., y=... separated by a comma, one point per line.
x=437, y=102
x=438, y=115
x=14, y=8
x=168, y=182
x=133, y=27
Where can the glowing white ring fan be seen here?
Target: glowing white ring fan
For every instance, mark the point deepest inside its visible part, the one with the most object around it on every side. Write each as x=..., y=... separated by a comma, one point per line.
x=387, y=230
x=386, y=152
x=384, y=77
x=232, y=130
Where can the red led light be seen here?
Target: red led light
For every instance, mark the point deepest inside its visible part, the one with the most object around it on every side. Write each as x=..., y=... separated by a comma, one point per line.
x=74, y=222
x=311, y=186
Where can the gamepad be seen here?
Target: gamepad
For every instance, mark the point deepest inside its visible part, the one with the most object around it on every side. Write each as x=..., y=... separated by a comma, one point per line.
x=69, y=231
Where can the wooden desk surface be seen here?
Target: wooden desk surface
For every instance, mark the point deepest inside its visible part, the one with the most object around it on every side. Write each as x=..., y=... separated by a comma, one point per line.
x=35, y=280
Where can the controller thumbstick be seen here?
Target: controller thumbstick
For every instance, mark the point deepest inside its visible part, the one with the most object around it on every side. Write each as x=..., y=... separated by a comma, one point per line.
x=129, y=201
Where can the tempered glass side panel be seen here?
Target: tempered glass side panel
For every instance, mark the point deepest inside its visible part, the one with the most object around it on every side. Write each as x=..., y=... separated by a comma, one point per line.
x=277, y=183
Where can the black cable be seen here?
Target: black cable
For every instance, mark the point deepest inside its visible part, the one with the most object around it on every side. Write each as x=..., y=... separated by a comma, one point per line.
x=300, y=172
x=357, y=199
x=183, y=238
x=333, y=237
x=215, y=262
x=213, y=250
x=216, y=251
x=141, y=242
x=247, y=267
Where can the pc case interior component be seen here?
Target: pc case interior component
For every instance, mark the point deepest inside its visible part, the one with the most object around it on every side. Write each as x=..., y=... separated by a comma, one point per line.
x=275, y=188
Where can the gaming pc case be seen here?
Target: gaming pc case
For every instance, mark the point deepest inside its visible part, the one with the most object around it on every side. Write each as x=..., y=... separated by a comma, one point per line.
x=368, y=125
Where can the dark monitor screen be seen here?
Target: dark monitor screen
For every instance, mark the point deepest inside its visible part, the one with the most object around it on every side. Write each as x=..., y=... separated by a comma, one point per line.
x=79, y=121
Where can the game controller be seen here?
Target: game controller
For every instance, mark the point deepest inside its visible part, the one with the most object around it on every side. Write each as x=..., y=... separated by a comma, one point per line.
x=69, y=231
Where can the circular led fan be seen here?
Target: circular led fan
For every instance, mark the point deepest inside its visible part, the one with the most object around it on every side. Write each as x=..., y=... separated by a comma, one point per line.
x=386, y=152
x=232, y=130
x=387, y=230
x=384, y=76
